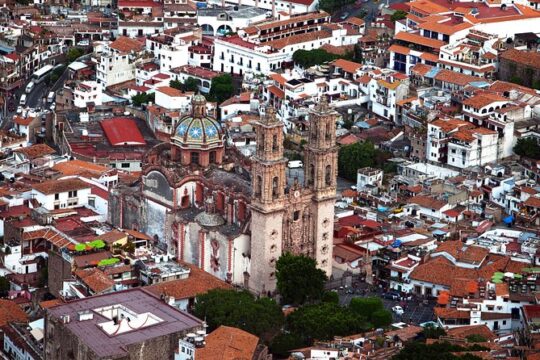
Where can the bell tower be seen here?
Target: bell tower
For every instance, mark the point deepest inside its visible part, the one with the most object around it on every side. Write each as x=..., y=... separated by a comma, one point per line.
x=267, y=201
x=321, y=157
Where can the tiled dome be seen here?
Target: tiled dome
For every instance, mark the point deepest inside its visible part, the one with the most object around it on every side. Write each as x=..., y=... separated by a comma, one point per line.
x=198, y=130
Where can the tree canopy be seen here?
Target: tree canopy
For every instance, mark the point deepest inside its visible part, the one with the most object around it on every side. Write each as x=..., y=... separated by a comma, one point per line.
x=398, y=15
x=324, y=321
x=353, y=157
x=221, y=88
x=330, y=6
x=298, y=279
x=262, y=317
x=142, y=98
x=372, y=309
x=189, y=85
x=528, y=147
x=308, y=58
x=74, y=53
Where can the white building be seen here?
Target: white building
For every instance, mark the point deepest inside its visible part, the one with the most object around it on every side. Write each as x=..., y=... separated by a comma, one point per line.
x=290, y=7
x=118, y=61
x=368, y=177
x=87, y=92
x=61, y=194
x=265, y=47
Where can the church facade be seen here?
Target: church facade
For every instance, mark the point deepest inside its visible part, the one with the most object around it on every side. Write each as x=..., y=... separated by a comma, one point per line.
x=234, y=216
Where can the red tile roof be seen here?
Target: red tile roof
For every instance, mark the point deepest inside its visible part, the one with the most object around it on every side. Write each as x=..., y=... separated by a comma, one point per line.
x=198, y=282
x=122, y=131
x=228, y=343
x=10, y=311
x=59, y=186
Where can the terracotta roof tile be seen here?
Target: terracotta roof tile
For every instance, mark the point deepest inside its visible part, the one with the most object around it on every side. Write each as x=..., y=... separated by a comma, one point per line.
x=346, y=65
x=427, y=202
x=228, y=343
x=95, y=279
x=198, y=282
x=10, y=311
x=58, y=186
x=125, y=44
x=36, y=151
x=419, y=39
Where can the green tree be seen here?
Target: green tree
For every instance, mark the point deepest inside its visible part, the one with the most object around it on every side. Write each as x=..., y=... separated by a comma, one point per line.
x=536, y=84
x=176, y=84
x=298, y=279
x=331, y=6
x=398, y=15
x=516, y=80
x=353, y=157
x=381, y=318
x=476, y=338
x=331, y=297
x=4, y=286
x=282, y=344
x=433, y=332
x=74, y=53
x=190, y=84
x=142, y=98
x=221, y=88
x=262, y=317
x=324, y=321
x=528, y=147
x=308, y=58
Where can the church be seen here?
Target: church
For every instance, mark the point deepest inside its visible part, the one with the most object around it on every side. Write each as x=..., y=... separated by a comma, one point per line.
x=209, y=205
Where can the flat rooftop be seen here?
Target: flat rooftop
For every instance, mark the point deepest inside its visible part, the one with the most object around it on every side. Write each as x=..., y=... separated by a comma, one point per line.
x=92, y=330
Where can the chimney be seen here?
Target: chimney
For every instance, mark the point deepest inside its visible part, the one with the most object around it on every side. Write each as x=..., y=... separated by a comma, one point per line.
x=274, y=9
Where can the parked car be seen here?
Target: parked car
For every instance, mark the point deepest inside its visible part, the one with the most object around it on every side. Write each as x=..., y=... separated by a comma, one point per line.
x=392, y=295
x=19, y=109
x=398, y=310
x=344, y=16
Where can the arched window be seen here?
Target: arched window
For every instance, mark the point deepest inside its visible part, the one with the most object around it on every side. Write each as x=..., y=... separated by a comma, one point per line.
x=328, y=175
x=274, y=143
x=275, y=188
x=258, y=185
x=311, y=178
x=261, y=142
x=328, y=131
x=194, y=157
x=212, y=157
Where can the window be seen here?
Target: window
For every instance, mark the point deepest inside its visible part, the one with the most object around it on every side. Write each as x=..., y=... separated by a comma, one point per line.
x=194, y=157
x=328, y=175
x=212, y=157
x=125, y=165
x=296, y=215
x=72, y=194
x=56, y=196
x=275, y=189
x=258, y=185
x=92, y=202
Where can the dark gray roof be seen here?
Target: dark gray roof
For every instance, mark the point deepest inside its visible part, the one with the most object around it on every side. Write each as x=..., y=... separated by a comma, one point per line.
x=137, y=300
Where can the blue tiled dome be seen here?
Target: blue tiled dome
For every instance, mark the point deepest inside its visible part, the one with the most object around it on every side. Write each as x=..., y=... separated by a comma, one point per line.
x=198, y=130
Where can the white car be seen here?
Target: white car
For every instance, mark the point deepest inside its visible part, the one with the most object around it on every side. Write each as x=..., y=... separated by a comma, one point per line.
x=19, y=109
x=398, y=310
x=52, y=107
